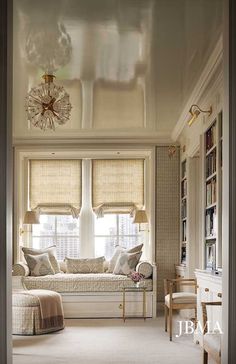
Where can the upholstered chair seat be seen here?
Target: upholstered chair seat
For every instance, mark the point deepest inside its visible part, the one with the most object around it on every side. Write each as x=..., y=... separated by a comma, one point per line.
x=211, y=341
x=181, y=297
x=178, y=300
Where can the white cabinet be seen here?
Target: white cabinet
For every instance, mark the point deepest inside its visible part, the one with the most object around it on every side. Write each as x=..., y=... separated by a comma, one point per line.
x=107, y=305
x=209, y=290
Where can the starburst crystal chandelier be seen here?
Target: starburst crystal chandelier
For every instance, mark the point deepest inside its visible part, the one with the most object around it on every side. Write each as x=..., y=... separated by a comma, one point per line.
x=48, y=105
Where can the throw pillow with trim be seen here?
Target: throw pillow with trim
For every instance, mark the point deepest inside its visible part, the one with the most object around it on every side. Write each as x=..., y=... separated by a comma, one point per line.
x=39, y=265
x=52, y=254
x=127, y=263
x=89, y=265
x=118, y=250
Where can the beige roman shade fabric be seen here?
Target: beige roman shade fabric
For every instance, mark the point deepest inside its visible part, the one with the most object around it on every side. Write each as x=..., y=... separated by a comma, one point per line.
x=117, y=186
x=55, y=186
x=116, y=107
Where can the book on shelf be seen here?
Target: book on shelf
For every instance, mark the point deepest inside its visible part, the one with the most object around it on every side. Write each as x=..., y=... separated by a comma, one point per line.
x=184, y=230
x=211, y=163
x=211, y=137
x=184, y=188
x=211, y=192
x=211, y=222
x=184, y=170
x=184, y=209
x=183, y=255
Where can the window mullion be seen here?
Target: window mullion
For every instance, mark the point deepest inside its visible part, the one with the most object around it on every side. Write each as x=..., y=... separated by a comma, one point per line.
x=117, y=229
x=55, y=231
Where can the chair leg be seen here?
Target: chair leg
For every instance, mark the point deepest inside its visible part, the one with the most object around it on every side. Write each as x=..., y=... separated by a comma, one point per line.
x=166, y=317
x=170, y=322
x=195, y=320
x=205, y=357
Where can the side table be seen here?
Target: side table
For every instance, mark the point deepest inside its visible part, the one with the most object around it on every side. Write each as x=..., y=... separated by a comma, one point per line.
x=134, y=289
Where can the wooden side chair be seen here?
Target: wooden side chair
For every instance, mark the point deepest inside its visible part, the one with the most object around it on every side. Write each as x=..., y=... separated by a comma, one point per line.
x=179, y=300
x=211, y=341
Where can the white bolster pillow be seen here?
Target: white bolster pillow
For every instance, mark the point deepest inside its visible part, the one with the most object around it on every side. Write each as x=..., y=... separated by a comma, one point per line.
x=20, y=269
x=144, y=268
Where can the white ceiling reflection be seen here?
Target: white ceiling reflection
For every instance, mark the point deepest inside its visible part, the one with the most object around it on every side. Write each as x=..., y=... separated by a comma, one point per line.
x=161, y=44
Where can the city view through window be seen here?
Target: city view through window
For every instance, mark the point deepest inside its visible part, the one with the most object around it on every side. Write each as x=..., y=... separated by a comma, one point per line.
x=63, y=231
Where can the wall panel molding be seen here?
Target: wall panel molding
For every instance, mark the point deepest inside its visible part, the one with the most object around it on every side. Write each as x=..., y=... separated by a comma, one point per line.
x=5, y=180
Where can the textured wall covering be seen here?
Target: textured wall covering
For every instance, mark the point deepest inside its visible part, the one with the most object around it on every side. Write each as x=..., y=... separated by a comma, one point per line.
x=167, y=216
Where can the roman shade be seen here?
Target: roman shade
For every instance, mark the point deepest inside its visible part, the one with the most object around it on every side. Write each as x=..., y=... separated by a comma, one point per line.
x=117, y=185
x=55, y=186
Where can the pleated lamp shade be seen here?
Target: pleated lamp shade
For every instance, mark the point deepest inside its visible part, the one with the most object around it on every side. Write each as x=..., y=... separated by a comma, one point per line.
x=140, y=217
x=31, y=217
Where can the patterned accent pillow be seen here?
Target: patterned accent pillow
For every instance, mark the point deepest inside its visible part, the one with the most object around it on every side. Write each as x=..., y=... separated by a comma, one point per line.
x=52, y=254
x=90, y=265
x=126, y=263
x=39, y=265
x=118, y=250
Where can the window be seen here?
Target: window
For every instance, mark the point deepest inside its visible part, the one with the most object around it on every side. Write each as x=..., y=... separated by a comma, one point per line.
x=59, y=230
x=112, y=230
x=107, y=191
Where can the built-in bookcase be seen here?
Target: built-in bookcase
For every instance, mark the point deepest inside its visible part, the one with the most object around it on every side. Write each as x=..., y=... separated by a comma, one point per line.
x=184, y=220
x=213, y=194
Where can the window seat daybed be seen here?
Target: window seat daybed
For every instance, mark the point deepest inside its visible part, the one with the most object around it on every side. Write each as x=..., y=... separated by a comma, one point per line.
x=93, y=294
x=81, y=282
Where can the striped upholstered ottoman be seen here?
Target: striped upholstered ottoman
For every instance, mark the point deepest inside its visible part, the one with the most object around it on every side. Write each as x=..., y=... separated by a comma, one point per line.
x=36, y=312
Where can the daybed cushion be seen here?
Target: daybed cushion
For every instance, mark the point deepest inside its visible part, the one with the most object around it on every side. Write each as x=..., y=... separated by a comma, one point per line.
x=92, y=282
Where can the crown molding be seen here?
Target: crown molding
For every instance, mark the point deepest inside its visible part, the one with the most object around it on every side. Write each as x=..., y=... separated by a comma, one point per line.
x=201, y=86
x=160, y=139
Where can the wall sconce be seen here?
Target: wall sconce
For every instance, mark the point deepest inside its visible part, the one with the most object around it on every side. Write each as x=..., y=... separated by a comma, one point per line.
x=30, y=218
x=195, y=111
x=140, y=218
x=171, y=151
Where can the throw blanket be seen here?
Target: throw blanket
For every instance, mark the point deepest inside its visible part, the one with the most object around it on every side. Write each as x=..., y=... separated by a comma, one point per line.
x=50, y=307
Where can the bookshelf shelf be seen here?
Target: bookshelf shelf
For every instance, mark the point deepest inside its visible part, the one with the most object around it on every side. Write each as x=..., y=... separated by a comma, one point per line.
x=213, y=237
x=211, y=176
x=211, y=206
x=211, y=150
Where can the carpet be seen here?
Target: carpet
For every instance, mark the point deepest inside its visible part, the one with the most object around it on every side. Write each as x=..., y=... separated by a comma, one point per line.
x=107, y=341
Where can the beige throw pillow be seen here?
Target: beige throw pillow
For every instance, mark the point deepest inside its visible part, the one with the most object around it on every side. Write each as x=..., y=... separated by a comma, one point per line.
x=127, y=262
x=92, y=265
x=39, y=265
x=118, y=250
x=52, y=254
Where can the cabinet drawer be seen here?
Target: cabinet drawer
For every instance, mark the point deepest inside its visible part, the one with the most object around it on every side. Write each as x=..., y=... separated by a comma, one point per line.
x=104, y=306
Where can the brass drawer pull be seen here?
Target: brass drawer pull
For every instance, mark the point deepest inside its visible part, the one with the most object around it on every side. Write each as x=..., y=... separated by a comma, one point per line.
x=219, y=295
x=120, y=306
x=206, y=289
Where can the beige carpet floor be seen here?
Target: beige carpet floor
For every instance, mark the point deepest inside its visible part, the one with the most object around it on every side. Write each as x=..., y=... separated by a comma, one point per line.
x=107, y=341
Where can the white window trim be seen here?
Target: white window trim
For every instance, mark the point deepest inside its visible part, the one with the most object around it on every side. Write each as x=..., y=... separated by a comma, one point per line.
x=23, y=154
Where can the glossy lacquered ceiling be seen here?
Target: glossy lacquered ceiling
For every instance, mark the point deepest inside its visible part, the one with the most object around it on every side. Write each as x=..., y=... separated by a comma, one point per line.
x=157, y=48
